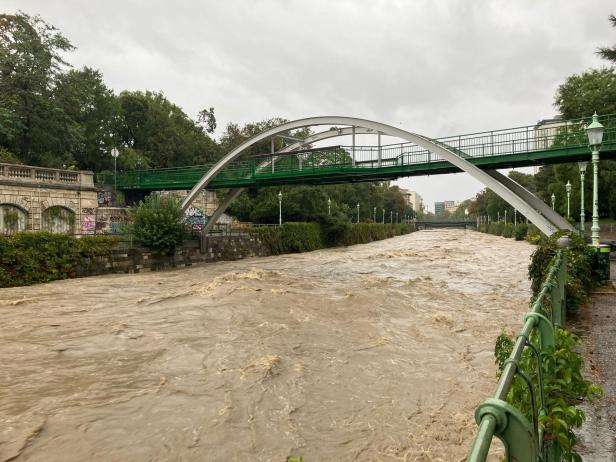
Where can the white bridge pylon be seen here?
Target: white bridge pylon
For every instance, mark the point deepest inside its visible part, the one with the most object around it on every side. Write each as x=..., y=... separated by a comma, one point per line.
x=515, y=195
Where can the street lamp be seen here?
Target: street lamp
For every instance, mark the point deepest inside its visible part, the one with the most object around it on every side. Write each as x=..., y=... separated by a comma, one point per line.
x=553, y=200
x=115, y=153
x=396, y=217
x=595, y=138
x=582, y=166
x=391, y=216
x=568, y=189
x=505, y=215
x=374, y=215
x=515, y=217
x=383, y=216
x=329, y=207
x=358, y=212
x=279, y=208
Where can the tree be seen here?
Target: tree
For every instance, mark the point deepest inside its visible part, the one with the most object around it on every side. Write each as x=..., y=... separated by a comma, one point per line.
x=581, y=95
x=207, y=120
x=609, y=53
x=92, y=114
x=158, y=224
x=161, y=132
x=30, y=60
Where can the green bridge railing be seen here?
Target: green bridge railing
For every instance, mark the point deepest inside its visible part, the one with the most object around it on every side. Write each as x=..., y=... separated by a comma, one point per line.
x=524, y=440
x=565, y=141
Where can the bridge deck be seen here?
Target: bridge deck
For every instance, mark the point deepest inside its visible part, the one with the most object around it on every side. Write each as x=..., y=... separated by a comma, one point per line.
x=510, y=148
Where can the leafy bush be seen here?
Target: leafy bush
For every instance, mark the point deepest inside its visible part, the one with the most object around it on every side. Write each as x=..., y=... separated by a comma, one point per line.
x=564, y=388
x=333, y=228
x=534, y=235
x=520, y=231
x=496, y=228
x=32, y=257
x=158, y=224
x=303, y=237
x=362, y=233
x=290, y=237
x=579, y=267
x=507, y=230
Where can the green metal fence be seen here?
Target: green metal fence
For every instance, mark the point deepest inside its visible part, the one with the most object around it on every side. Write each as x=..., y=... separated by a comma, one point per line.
x=524, y=440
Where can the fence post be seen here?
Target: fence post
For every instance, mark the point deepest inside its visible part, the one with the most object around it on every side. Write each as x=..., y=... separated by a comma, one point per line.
x=512, y=428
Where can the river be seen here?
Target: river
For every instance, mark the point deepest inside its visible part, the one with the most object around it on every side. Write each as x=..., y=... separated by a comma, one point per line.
x=371, y=352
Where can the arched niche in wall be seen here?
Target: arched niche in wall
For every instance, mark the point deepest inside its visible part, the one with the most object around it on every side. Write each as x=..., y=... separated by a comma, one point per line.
x=58, y=219
x=13, y=219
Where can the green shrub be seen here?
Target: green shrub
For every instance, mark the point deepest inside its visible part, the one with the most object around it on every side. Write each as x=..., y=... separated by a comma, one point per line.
x=564, y=387
x=362, y=233
x=507, y=230
x=579, y=267
x=533, y=235
x=520, y=231
x=333, y=228
x=496, y=228
x=158, y=224
x=32, y=257
x=290, y=237
x=303, y=237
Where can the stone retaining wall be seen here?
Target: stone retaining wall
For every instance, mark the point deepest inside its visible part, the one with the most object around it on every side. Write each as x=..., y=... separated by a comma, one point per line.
x=211, y=249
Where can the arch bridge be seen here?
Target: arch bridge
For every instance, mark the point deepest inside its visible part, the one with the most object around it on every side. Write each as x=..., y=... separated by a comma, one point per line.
x=478, y=154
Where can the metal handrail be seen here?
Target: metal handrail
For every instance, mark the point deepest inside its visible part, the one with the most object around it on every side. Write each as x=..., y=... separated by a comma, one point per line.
x=563, y=135
x=495, y=417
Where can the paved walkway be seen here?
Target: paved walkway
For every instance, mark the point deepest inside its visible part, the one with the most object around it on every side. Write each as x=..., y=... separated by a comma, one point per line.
x=597, y=325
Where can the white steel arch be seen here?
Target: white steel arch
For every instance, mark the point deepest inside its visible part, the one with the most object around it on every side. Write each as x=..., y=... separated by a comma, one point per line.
x=545, y=225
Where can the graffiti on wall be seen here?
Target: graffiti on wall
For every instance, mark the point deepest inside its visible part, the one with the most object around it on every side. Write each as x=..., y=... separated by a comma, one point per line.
x=195, y=218
x=105, y=198
x=88, y=224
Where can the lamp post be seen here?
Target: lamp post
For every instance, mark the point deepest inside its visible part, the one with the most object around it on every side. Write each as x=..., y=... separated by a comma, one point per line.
x=515, y=217
x=374, y=215
x=582, y=166
x=115, y=153
x=329, y=207
x=595, y=138
x=383, y=216
x=391, y=216
x=279, y=208
x=498, y=216
x=553, y=200
x=138, y=167
x=396, y=217
x=568, y=189
x=358, y=212
x=505, y=215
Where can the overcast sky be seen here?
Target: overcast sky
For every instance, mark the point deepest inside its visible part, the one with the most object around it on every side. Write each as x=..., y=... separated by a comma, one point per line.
x=431, y=67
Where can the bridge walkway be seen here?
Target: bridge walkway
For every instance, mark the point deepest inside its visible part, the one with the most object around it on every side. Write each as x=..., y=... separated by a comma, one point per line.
x=525, y=146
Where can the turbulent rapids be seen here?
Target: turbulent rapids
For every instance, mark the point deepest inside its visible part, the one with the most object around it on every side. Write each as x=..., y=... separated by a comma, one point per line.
x=371, y=352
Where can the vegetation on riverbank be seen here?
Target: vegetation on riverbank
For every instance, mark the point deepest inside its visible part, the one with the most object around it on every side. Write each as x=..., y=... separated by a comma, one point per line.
x=34, y=257
x=304, y=237
x=564, y=386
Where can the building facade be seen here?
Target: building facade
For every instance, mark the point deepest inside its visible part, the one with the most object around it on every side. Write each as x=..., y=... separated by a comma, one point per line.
x=67, y=201
x=413, y=199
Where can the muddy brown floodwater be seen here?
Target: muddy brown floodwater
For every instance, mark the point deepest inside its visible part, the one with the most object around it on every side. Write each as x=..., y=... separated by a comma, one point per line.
x=371, y=352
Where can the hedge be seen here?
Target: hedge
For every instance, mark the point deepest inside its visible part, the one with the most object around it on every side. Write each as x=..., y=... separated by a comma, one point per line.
x=32, y=257
x=304, y=237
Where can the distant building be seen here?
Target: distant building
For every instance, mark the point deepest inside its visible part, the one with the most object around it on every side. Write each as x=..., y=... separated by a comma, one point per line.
x=413, y=199
x=446, y=206
x=545, y=133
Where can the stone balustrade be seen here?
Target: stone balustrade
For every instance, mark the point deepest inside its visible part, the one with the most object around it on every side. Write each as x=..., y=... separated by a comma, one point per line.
x=47, y=176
